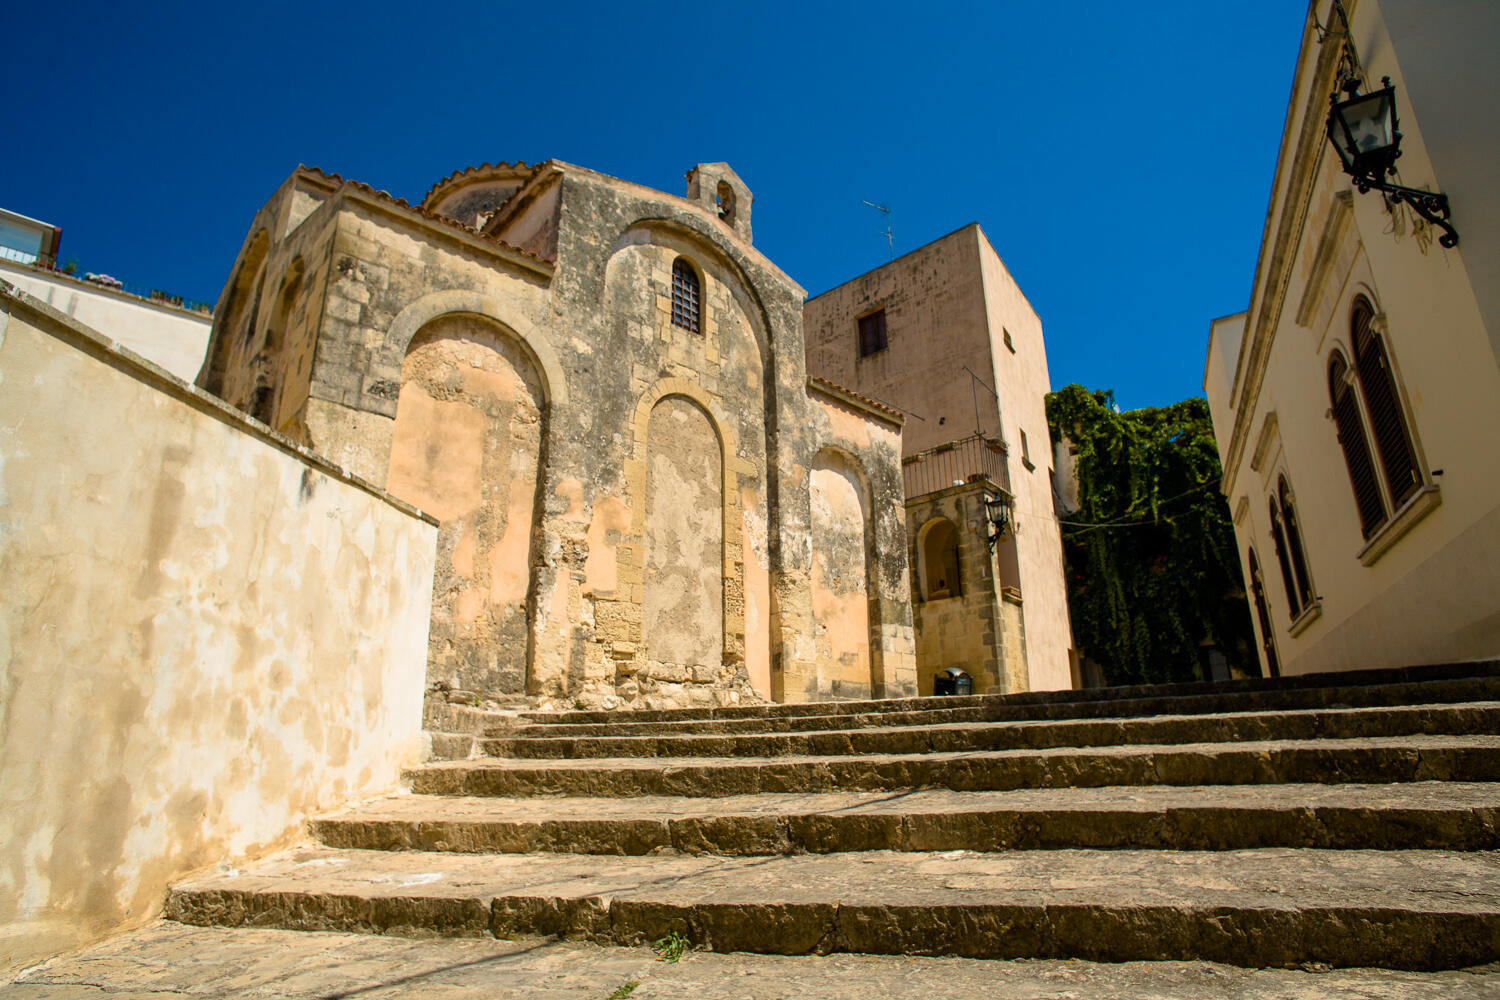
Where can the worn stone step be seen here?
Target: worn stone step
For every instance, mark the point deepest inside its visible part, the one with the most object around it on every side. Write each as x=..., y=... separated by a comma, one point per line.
x=1483, y=718
x=941, y=711
x=1458, y=816
x=167, y=958
x=1367, y=760
x=1397, y=909
x=1395, y=680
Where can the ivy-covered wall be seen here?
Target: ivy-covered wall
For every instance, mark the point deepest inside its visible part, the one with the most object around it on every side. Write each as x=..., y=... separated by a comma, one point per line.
x=1154, y=581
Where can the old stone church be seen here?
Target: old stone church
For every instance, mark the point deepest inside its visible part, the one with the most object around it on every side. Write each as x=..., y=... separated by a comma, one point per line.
x=600, y=392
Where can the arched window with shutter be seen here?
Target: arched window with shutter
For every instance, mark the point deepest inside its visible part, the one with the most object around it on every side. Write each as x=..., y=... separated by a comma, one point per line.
x=1293, y=529
x=1398, y=459
x=1351, y=435
x=1288, y=581
x=1263, y=615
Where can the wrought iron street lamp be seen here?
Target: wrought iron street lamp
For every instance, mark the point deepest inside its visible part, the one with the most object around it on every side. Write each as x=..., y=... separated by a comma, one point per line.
x=999, y=511
x=1364, y=131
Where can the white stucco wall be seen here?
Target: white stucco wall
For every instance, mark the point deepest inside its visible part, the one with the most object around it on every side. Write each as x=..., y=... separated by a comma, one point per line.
x=1424, y=588
x=205, y=636
x=165, y=335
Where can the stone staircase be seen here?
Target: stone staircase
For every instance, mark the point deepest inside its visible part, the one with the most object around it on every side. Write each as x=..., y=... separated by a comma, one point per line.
x=1348, y=819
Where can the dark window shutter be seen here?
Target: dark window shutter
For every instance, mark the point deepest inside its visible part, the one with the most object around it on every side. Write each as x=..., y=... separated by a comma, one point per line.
x=1294, y=544
x=1262, y=612
x=1351, y=435
x=1397, y=457
x=1278, y=538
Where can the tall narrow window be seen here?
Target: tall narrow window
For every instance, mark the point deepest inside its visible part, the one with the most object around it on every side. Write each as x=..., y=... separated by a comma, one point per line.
x=1392, y=440
x=1293, y=528
x=872, y=333
x=685, y=296
x=1263, y=614
x=1351, y=434
x=1288, y=581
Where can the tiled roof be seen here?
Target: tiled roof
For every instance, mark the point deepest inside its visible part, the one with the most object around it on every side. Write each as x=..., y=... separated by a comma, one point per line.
x=873, y=404
x=402, y=203
x=519, y=167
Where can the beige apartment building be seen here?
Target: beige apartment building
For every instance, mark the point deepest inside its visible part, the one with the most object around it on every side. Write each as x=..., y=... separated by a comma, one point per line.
x=1356, y=400
x=945, y=334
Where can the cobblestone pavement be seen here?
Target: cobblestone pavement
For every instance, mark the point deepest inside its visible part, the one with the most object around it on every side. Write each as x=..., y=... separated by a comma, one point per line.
x=166, y=958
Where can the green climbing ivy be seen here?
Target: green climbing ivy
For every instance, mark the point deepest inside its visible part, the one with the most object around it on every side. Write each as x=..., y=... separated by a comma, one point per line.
x=1153, y=570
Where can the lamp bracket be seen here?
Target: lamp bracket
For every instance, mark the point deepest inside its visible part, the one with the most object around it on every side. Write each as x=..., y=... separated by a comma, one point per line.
x=1430, y=205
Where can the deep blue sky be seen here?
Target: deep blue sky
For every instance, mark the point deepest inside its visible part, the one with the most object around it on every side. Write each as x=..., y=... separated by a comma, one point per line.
x=1089, y=139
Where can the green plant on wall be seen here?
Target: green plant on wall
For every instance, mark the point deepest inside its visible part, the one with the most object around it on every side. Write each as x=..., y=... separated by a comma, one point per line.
x=1153, y=572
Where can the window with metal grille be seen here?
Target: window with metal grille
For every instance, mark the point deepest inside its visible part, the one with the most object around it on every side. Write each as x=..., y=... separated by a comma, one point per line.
x=685, y=296
x=872, y=333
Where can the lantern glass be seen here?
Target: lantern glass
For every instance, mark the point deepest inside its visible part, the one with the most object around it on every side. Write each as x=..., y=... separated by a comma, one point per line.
x=1364, y=131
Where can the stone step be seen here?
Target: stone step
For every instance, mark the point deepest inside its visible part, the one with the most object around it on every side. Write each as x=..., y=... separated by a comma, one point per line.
x=1396, y=683
x=940, y=711
x=1457, y=816
x=165, y=958
x=1483, y=718
x=1417, y=910
x=1379, y=760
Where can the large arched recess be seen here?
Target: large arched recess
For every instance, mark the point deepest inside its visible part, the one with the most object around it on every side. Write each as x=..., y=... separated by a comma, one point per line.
x=733, y=354
x=844, y=579
x=239, y=301
x=469, y=447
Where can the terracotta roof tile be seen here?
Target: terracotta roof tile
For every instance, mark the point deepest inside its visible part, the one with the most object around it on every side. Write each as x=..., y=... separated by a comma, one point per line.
x=386, y=196
x=869, y=401
x=519, y=166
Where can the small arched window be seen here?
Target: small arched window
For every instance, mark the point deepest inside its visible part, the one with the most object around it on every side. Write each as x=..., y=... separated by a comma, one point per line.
x=686, y=296
x=1351, y=435
x=1263, y=615
x=940, y=566
x=1392, y=439
x=1295, y=551
x=1288, y=581
x=1387, y=475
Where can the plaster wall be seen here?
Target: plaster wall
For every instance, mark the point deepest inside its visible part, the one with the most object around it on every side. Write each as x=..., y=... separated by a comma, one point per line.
x=936, y=324
x=840, y=582
x=205, y=635
x=1422, y=588
x=165, y=335
x=1019, y=365
x=977, y=625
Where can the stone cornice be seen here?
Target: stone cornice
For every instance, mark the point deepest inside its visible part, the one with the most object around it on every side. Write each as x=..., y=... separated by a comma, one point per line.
x=1303, y=146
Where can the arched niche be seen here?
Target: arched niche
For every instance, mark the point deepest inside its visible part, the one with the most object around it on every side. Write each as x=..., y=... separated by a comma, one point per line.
x=238, y=319
x=682, y=606
x=939, y=568
x=467, y=446
x=845, y=620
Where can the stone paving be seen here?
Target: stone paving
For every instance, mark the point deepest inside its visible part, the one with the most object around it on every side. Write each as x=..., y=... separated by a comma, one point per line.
x=165, y=958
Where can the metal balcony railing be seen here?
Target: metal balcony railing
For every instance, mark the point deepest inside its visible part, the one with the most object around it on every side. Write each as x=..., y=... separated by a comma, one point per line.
x=973, y=459
x=48, y=263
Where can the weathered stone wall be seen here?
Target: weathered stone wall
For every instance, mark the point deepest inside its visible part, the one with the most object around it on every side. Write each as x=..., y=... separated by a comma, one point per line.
x=205, y=636
x=626, y=403
x=966, y=622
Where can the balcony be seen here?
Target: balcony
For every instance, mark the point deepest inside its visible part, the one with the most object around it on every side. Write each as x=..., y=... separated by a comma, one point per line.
x=973, y=459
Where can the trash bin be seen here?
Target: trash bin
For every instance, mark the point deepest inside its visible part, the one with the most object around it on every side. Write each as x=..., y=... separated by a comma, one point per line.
x=952, y=681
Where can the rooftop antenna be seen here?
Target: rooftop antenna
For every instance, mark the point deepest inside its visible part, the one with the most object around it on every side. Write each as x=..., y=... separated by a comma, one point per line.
x=889, y=236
